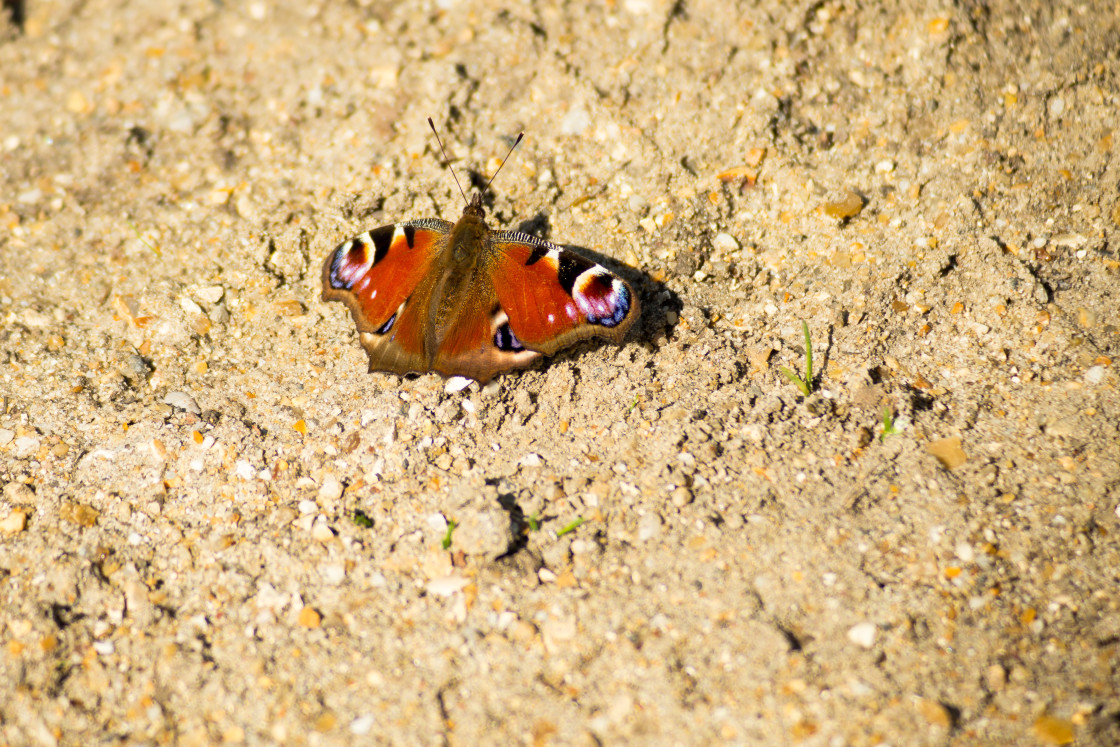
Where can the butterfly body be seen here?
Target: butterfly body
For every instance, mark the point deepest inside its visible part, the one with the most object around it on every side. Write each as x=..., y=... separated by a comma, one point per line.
x=463, y=300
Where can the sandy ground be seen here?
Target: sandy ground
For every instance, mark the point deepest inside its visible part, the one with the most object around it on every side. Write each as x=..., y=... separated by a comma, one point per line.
x=215, y=526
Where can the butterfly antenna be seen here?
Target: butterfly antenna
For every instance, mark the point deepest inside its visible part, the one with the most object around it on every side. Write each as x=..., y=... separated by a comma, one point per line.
x=503, y=163
x=448, y=160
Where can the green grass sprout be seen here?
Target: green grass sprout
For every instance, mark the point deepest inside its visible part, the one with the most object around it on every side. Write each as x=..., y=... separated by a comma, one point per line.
x=535, y=522
x=889, y=428
x=446, y=543
x=806, y=384
x=362, y=519
x=570, y=527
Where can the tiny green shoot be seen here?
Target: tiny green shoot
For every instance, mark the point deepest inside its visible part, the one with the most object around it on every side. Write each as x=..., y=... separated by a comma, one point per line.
x=446, y=543
x=145, y=240
x=362, y=519
x=535, y=522
x=570, y=527
x=806, y=384
x=889, y=428
x=633, y=404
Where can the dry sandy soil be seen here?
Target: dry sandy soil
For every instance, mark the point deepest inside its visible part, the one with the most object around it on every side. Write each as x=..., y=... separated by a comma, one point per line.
x=216, y=526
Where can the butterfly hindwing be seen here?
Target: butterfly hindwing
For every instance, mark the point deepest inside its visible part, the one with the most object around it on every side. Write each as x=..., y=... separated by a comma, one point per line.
x=555, y=296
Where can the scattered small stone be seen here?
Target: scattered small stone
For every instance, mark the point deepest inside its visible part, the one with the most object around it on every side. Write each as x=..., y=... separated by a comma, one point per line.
x=725, y=243
x=863, y=634
x=77, y=513
x=935, y=713
x=948, y=451
x=649, y=526
x=362, y=725
x=321, y=531
x=6, y=436
x=310, y=618
x=211, y=294
x=456, y=384
x=1052, y=730
x=14, y=523
x=681, y=496
x=26, y=446
x=847, y=207
x=445, y=586
x=1094, y=375
x=182, y=401
x=17, y=492
x=331, y=490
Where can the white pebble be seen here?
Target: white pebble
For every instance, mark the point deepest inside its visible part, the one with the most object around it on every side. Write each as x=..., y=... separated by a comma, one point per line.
x=725, y=243
x=863, y=634
x=307, y=507
x=333, y=574
x=362, y=725
x=445, y=586
x=211, y=294
x=189, y=306
x=964, y=551
x=331, y=489
x=649, y=526
x=456, y=384
x=321, y=531
x=183, y=401
x=1094, y=375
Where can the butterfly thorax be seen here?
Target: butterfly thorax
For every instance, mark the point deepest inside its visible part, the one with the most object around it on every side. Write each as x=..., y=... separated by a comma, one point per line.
x=455, y=292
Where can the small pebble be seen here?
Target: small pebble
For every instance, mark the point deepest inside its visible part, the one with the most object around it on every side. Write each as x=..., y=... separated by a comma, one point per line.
x=321, y=531
x=649, y=526
x=725, y=243
x=362, y=725
x=445, y=586
x=1094, y=375
x=14, y=523
x=331, y=490
x=6, y=436
x=456, y=384
x=310, y=618
x=183, y=401
x=211, y=294
x=863, y=634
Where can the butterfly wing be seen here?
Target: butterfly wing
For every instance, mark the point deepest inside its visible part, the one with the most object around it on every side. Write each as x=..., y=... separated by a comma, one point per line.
x=553, y=297
x=384, y=278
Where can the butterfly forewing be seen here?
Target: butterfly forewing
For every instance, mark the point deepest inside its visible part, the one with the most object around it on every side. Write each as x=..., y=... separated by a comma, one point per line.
x=555, y=296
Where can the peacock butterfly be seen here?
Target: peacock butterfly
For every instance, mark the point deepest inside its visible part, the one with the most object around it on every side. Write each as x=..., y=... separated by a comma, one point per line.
x=463, y=300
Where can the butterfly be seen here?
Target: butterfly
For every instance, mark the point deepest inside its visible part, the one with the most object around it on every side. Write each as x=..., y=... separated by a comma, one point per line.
x=461, y=299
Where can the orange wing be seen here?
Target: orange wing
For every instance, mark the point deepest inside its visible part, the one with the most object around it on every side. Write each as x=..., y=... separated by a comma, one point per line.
x=554, y=297
x=376, y=275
